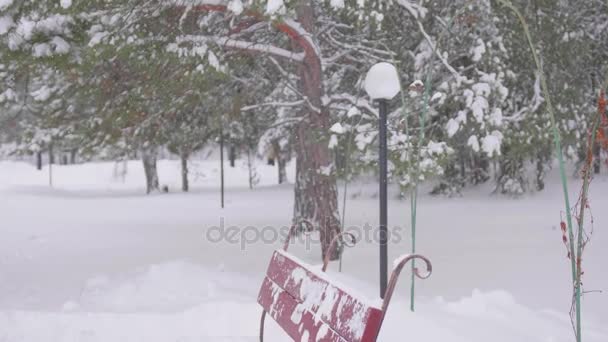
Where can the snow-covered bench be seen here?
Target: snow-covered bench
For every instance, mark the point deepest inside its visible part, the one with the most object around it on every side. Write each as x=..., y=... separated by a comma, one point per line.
x=310, y=306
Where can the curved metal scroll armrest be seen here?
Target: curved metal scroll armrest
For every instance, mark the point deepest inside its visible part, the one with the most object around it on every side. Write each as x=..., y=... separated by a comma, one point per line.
x=292, y=231
x=399, y=264
x=345, y=238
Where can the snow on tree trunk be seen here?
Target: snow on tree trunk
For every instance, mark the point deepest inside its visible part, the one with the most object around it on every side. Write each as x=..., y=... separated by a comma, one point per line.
x=316, y=192
x=184, y=162
x=148, y=157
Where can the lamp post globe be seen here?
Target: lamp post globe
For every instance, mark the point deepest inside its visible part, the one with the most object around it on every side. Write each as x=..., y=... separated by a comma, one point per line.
x=382, y=81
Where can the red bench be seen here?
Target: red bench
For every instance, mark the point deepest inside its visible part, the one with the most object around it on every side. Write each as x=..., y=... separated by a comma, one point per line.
x=309, y=306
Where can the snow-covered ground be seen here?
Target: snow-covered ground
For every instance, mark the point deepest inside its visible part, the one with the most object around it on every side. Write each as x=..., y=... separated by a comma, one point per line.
x=93, y=259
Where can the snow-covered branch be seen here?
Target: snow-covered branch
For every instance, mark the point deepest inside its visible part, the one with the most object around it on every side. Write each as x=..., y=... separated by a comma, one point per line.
x=537, y=101
x=355, y=101
x=416, y=13
x=345, y=49
x=273, y=104
x=293, y=29
x=289, y=26
x=243, y=45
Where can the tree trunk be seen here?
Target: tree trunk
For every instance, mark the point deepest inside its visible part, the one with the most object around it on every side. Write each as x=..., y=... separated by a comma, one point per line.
x=39, y=160
x=148, y=157
x=232, y=155
x=51, y=161
x=316, y=193
x=280, y=161
x=51, y=154
x=480, y=170
x=282, y=171
x=540, y=174
x=73, y=156
x=596, y=159
x=184, y=160
x=250, y=168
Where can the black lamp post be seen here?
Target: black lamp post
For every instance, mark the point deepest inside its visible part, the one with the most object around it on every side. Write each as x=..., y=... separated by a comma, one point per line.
x=383, y=169
x=382, y=84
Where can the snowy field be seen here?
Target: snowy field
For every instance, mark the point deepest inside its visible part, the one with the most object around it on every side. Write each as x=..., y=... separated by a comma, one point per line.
x=93, y=259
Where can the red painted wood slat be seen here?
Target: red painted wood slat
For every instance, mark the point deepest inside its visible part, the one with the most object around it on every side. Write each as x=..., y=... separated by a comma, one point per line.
x=303, y=302
x=281, y=306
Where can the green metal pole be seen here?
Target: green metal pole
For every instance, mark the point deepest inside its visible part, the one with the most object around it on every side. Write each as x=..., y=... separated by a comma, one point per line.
x=562, y=168
x=415, y=174
x=414, y=198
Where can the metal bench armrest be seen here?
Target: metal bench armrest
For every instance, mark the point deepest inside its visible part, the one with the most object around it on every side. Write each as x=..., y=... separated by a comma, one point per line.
x=292, y=231
x=345, y=239
x=402, y=261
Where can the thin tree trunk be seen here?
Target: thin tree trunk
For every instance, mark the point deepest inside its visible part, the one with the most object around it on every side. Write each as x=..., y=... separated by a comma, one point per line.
x=73, y=156
x=250, y=168
x=596, y=159
x=148, y=157
x=316, y=192
x=282, y=171
x=51, y=154
x=184, y=160
x=51, y=161
x=540, y=174
x=280, y=161
x=232, y=155
x=39, y=160
x=542, y=158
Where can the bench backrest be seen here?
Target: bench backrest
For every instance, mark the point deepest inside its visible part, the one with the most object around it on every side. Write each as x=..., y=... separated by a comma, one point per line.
x=310, y=307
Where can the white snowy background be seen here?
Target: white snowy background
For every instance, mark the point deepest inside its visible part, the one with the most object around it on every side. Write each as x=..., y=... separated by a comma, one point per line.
x=94, y=260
